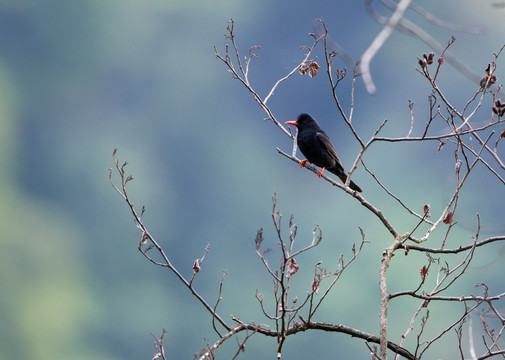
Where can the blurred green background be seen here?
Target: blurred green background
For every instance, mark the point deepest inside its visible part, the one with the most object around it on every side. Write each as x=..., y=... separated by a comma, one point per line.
x=80, y=78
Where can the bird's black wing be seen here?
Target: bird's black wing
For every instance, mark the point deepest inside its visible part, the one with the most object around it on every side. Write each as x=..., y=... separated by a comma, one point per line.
x=325, y=142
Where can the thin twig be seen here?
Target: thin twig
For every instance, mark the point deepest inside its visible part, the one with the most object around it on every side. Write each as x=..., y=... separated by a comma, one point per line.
x=146, y=236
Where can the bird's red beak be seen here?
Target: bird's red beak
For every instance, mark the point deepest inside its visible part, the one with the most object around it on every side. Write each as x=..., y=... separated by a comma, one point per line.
x=291, y=123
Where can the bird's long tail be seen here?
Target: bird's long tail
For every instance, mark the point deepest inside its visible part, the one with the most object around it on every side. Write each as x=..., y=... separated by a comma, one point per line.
x=352, y=185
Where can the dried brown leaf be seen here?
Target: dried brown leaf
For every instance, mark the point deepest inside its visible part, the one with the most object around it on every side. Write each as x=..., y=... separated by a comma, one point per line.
x=143, y=241
x=292, y=267
x=303, y=69
x=426, y=209
x=423, y=272
x=196, y=266
x=313, y=67
x=448, y=218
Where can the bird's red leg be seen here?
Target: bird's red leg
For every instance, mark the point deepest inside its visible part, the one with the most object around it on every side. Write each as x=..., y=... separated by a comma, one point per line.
x=303, y=162
x=320, y=172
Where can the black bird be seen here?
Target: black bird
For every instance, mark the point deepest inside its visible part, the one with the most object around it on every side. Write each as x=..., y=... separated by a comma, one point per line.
x=316, y=146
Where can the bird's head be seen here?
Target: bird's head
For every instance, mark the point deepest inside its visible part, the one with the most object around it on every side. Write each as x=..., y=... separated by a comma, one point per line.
x=301, y=121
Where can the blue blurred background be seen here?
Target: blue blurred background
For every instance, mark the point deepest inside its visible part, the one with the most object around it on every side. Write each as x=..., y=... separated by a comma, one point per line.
x=80, y=78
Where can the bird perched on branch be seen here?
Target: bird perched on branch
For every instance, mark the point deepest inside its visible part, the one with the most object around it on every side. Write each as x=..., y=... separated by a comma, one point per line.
x=316, y=146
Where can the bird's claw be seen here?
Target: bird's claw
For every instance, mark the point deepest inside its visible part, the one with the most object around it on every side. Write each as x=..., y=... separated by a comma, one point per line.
x=320, y=173
x=303, y=162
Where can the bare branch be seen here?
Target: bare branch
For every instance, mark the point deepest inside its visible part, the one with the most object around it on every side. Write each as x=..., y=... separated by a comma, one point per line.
x=376, y=44
x=145, y=235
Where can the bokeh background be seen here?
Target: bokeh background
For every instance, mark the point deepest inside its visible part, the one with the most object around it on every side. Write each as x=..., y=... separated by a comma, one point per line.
x=80, y=78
